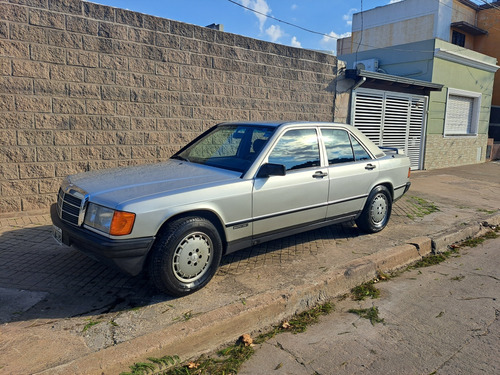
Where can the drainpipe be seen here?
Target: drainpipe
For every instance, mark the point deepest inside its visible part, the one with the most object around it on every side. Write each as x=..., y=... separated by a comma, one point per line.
x=359, y=83
x=356, y=85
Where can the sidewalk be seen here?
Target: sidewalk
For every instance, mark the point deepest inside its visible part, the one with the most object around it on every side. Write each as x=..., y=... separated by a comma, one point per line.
x=62, y=313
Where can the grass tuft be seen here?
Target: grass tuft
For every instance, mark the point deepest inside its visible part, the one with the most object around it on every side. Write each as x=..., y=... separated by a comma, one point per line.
x=363, y=291
x=421, y=207
x=90, y=324
x=370, y=314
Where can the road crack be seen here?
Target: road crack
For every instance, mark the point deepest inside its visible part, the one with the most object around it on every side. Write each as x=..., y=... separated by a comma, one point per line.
x=292, y=355
x=485, y=332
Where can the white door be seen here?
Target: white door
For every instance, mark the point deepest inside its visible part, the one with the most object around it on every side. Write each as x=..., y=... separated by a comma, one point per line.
x=392, y=120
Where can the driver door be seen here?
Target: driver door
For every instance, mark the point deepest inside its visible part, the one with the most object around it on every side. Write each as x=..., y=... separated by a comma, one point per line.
x=299, y=197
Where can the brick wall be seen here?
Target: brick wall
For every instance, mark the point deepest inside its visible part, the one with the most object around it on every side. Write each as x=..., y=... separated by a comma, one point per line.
x=446, y=152
x=85, y=86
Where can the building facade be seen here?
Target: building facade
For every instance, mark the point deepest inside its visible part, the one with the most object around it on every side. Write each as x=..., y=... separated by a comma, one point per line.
x=392, y=41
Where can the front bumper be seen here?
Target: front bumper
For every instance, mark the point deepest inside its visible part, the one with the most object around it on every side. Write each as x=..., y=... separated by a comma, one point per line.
x=129, y=255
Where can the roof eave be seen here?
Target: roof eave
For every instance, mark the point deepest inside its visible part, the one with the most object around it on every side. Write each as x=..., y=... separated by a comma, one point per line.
x=391, y=79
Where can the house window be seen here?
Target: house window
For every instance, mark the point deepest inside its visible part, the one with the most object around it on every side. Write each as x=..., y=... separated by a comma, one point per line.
x=462, y=113
x=458, y=38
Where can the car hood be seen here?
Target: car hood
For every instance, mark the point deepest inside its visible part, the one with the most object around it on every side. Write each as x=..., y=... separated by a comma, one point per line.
x=114, y=187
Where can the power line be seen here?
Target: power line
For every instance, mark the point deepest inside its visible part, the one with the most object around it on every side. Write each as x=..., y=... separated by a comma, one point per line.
x=285, y=22
x=313, y=31
x=332, y=37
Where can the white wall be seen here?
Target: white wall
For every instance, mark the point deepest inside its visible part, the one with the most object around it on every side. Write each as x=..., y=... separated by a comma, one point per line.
x=404, y=22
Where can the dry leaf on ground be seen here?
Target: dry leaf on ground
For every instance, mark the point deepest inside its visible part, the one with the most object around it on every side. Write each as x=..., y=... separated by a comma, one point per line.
x=246, y=340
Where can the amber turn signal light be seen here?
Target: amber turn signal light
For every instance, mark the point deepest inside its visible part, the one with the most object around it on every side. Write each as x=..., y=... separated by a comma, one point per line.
x=122, y=223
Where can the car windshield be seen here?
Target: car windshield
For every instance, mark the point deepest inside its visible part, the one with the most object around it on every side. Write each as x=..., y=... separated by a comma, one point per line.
x=232, y=147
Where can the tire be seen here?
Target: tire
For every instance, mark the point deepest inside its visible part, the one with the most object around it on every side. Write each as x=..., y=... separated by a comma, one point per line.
x=185, y=256
x=377, y=211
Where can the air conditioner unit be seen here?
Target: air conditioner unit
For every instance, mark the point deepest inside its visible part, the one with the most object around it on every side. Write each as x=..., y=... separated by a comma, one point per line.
x=369, y=64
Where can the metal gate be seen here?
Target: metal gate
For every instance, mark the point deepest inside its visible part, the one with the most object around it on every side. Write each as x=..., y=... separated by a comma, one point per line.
x=393, y=120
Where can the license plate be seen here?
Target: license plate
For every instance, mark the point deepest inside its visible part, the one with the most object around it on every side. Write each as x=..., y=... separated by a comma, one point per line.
x=57, y=234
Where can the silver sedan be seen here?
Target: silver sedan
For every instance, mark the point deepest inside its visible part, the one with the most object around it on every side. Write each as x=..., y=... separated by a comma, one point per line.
x=235, y=186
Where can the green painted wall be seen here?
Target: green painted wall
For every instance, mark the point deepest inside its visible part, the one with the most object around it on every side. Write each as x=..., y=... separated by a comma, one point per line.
x=459, y=76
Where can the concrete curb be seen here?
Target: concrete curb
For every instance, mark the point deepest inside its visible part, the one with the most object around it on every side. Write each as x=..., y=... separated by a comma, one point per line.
x=203, y=333
x=441, y=241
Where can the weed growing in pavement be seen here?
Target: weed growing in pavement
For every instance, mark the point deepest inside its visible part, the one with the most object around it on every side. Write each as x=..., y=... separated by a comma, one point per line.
x=473, y=242
x=368, y=289
x=141, y=368
x=454, y=250
x=153, y=365
x=298, y=323
x=230, y=359
x=90, y=324
x=428, y=261
x=360, y=292
x=421, y=207
x=371, y=314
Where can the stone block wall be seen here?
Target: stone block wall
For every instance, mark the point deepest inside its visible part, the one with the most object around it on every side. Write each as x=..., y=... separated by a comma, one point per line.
x=443, y=152
x=85, y=86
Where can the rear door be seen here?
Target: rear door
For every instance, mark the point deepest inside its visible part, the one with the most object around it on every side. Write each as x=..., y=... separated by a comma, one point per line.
x=352, y=172
x=300, y=196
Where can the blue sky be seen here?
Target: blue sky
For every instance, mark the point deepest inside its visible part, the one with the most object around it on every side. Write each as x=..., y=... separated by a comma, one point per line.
x=330, y=17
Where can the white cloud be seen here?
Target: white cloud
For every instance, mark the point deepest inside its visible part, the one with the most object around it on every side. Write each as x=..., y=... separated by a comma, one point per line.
x=294, y=6
x=296, y=43
x=330, y=42
x=260, y=6
x=274, y=32
x=348, y=17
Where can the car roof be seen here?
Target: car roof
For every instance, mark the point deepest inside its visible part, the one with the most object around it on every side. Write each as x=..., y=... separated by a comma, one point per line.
x=282, y=123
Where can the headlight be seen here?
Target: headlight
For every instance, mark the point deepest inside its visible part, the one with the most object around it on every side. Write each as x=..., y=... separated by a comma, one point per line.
x=115, y=223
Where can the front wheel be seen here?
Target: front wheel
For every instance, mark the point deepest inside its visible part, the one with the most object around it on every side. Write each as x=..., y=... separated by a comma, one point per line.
x=185, y=256
x=377, y=210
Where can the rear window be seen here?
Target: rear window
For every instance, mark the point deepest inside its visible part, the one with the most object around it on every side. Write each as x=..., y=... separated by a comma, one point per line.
x=341, y=147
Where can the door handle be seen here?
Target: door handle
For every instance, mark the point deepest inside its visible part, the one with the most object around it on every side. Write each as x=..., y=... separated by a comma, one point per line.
x=370, y=166
x=320, y=174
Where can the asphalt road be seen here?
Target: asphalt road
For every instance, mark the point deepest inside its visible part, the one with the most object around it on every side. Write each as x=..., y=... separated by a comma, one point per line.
x=443, y=319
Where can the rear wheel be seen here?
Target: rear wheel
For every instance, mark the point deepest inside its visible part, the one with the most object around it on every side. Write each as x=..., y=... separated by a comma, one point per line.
x=185, y=256
x=377, y=211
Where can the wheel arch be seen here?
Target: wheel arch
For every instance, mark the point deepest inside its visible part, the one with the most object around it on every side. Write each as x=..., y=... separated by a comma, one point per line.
x=204, y=213
x=387, y=185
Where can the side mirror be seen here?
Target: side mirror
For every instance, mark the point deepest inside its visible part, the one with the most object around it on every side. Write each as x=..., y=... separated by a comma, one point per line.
x=270, y=169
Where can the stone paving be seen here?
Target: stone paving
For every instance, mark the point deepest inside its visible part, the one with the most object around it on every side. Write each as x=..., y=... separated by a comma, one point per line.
x=31, y=260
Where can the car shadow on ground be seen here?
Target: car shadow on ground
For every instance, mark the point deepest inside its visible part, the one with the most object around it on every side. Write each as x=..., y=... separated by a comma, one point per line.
x=60, y=282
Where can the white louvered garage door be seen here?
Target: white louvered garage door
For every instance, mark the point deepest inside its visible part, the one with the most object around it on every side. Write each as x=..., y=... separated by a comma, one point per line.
x=392, y=120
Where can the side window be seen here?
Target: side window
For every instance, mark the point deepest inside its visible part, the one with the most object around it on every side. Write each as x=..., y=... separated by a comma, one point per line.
x=297, y=149
x=338, y=146
x=359, y=152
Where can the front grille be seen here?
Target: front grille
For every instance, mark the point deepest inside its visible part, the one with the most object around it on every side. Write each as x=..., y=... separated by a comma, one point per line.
x=69, y=206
